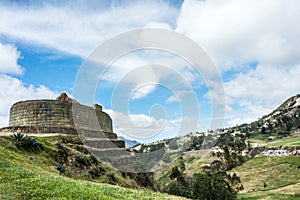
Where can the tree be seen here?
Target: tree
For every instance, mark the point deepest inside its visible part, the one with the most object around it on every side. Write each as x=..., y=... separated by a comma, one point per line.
x=175, y=173
x=197, y=142
x=211, y=186
x=263, y=130
x=212, y=183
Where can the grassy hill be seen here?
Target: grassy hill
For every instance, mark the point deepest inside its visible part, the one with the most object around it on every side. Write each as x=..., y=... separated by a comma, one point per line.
x=33, y=175
x=281, y=175
x=292, y=140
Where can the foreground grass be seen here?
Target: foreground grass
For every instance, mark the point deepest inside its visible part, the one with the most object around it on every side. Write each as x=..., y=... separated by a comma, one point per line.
x=281, y=175
x=25, y=175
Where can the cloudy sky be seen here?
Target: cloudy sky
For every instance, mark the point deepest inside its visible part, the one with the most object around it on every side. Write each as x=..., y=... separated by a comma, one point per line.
x=254, y=45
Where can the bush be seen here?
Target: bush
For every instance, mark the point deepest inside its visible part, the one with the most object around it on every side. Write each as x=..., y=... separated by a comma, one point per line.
x=62, y=154
x=27, y=143
x=82, y=160
x=18, y=137
x=196, y=143
x=94, y=160
x=212, y=183
x=179, y=188
x=211, y=186
x=96, y=172
x=111, y=178
x=60, y=168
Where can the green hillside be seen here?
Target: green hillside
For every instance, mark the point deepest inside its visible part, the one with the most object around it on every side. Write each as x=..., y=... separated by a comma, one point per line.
x=262, y=177
x=281, y=176
x=33, y=175
x=291, y=140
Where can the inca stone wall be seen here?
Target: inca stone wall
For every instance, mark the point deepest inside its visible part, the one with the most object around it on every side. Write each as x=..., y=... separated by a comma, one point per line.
x=65, y=116
x=58, y=114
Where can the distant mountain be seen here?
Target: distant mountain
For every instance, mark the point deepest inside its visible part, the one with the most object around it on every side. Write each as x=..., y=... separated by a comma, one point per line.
x=128, y=143
x=285, y=118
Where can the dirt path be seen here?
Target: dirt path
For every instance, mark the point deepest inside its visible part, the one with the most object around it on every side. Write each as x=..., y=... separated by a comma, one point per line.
x=290, y=189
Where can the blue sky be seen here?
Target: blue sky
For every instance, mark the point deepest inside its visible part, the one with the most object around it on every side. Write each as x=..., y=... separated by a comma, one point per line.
x=254, y=45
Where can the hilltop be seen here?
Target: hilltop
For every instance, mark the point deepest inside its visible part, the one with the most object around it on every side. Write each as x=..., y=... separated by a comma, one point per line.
x=284, y=119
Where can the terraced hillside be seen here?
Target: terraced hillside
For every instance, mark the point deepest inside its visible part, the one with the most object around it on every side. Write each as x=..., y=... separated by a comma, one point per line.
x=35, y=174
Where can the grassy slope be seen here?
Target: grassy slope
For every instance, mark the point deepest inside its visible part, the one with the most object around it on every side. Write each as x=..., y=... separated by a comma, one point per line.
x=192, y=165
x=281, y=174
x=33, y=176
x=292, y=140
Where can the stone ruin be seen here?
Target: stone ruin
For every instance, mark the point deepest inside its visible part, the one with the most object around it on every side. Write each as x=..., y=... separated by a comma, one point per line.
x=64, y=115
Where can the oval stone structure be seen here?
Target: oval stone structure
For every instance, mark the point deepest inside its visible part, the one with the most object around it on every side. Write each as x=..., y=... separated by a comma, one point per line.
x=57, y=116
x=55, y=113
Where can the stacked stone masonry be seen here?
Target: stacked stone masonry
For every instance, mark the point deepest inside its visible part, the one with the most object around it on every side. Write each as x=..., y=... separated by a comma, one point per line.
x=54, y=113
x=63, y=115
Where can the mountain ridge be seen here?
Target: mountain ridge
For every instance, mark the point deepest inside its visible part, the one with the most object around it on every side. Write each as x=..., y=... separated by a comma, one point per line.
x=129, y=143
x=285, y=118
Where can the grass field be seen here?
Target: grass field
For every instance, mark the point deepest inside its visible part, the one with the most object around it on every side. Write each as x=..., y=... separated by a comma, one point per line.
x=262, y=140
x=281, y=175
x=25, y=175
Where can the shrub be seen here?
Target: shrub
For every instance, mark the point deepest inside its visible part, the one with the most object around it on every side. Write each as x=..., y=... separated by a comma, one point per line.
x=178, y=188
x=18, y=137
x=62, y=153
x=96, y=172
x=82, y=160
x=32, y=143
x=27, y=143
x=212, y=183
x=196, y=143
x=60, y=168
x=211, y=186
x=111, y=178
x=94, y=160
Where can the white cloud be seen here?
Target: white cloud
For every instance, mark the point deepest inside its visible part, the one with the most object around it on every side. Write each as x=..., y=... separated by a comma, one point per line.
x=143, y=91
x=238, y=121
x=234, y=33
x=13, y=90
x=159, y=25
x=144, y=70
x=172, y=99
x=237, y=32
x=141, y=127
x=77, y=29
x=146, y=129
x=176, y=97
x=9, y=56
x=259, y=91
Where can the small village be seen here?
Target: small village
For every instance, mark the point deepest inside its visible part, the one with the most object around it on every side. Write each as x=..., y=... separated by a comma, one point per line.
x=280, y=153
